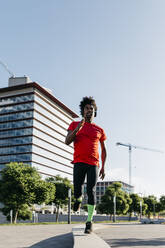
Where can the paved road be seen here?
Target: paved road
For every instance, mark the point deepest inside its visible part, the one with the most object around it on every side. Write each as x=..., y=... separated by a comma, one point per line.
x=133, y=235
x=36, y=236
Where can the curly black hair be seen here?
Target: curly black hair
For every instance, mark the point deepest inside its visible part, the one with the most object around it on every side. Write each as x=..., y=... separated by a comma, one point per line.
x=87, y=100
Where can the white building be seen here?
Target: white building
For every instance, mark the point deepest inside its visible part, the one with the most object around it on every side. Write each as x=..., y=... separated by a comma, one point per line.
x=33, y=126
x=101, y=187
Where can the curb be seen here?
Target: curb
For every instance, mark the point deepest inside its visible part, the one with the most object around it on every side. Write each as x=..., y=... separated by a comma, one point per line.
x=82, y=240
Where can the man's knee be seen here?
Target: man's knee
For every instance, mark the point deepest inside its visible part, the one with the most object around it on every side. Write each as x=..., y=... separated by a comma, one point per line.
x=91, y=197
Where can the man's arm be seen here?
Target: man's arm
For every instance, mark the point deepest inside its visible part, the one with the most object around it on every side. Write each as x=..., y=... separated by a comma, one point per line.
x=72, y=134
x=103, y=158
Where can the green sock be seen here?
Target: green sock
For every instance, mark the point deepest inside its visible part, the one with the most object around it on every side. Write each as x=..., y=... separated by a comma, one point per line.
x=91, y=209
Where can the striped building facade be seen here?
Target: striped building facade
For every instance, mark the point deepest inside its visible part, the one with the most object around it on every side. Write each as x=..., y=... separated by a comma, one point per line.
x=33, y=126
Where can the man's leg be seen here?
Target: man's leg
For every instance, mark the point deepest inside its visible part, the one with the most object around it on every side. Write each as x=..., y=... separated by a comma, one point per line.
x=79, y=173
x=92, y=176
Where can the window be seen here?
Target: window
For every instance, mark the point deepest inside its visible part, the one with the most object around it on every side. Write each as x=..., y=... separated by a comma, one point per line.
x=16, y=116
x=13, y=108
x=16, y=124
x=15, y=158
x=15, y=149
x=15, y=141
x=16, y=99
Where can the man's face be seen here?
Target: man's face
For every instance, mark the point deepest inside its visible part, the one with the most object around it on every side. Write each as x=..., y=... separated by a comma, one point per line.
x=89, y=112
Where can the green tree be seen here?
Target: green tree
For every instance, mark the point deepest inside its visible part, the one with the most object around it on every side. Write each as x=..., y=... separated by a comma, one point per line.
x=21, y=186
x=128, y=199
x=107, y=201
x=158, y=208
x=106, y=206
x=62, y=186
x=135, y=204
x=122, y=202
x=162, y=202
x=151, y=202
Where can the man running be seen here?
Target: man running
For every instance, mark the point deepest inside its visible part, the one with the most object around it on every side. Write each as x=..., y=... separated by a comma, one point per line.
x=86, y=137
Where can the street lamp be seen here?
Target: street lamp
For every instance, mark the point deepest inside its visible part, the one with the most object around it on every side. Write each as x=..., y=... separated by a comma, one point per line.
x=140, y=207
x=140, y=210
x=154, y=208
x=114, y=208
x=69, y=205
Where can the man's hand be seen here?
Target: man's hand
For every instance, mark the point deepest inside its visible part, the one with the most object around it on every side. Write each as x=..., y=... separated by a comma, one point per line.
x=72, y=134
x=102, y=173
x=80, y=125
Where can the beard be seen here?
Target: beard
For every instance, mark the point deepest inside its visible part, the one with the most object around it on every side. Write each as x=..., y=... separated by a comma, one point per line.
x=89, y=117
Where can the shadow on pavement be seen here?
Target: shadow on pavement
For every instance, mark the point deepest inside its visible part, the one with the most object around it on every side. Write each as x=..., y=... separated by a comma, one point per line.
x=60, y=241
x=123, y=224
x=127, y=224
x=136, y=242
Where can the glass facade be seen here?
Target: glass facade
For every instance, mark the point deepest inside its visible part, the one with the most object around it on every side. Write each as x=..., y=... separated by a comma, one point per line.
x=5, y=159
x=16, y=116
x=32, y=130
x=15, y=141
x=13, y=108
x=16, y=99
x=16, y=121
x=16, y=124
x=15, y=132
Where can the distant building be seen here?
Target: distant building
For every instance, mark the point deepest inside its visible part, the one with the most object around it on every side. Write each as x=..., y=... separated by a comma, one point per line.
x=33, y=126
x=101, y=188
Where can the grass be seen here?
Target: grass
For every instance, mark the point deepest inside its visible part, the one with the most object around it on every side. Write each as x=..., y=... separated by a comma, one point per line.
x=34, y=224
x=57, y=223
x=117, y=221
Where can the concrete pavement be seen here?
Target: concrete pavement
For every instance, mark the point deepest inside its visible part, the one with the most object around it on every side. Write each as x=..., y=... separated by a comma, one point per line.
x=49, y=236
x=126, y=235
x=82, y=240
x=36, y=236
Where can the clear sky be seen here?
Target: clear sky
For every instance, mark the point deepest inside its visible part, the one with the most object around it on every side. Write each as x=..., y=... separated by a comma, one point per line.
x=113, y=50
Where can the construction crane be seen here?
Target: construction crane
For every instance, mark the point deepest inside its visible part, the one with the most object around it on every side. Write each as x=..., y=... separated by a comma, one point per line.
x=130, y=154
x=6, y=68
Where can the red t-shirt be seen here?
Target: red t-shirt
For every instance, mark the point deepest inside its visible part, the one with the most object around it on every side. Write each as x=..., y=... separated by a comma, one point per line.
x=86, y=143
